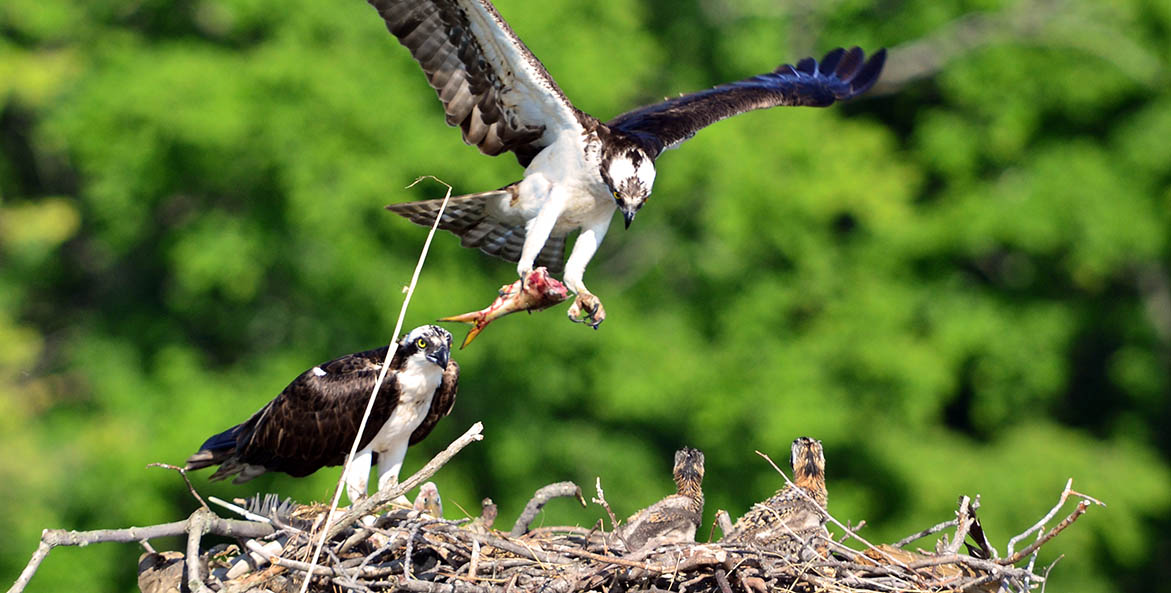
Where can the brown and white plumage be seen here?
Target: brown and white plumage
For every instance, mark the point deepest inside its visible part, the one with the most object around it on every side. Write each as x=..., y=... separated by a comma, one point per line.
x=673, y=519
x=792, y=521
x=491, y=86
x=578, y=169
x=314, y=420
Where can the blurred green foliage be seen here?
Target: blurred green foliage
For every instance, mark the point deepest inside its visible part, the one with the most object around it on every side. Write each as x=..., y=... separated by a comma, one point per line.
x=959, y=283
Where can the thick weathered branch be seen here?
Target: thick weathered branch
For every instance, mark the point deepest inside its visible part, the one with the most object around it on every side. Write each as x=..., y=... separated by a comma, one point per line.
x=538, y=501
x=963, y=523
x=197, y=525
x=34, y=563
x=216, y=525
x=51, y=538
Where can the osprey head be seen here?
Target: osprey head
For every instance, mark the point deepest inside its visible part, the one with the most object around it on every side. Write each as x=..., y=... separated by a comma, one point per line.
x=630, y=174
x=808, y=459
x=688, y=465
x=429, y=341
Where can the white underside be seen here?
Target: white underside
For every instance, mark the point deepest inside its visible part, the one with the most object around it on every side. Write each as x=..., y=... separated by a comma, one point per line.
x=417, y=383
x=561, y=192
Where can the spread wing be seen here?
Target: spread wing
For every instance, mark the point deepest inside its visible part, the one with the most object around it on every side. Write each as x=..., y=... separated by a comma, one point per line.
x=441, y=403
x=312, y=423
x=839, y=76
x=491, y=85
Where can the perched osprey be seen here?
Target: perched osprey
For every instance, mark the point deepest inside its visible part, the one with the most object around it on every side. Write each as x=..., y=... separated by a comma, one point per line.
x=792, y=521
x=313, y=422
x=673, y=519
x=578, y=170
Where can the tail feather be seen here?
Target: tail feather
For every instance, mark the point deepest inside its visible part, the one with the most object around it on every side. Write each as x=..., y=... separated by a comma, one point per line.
x=214, y=450
x=462, y=212
x=467, y=217
x=233, y=466
x=204, y=458
x=221, y=450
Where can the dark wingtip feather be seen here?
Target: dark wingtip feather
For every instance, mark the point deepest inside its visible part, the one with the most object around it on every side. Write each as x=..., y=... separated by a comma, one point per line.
x=830, y=62
x=785, y=70
x=848, y=67
x=807, y=66
x=868, y=75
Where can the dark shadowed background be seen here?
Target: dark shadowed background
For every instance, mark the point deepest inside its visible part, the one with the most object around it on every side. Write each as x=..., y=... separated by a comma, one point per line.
x=959, y=283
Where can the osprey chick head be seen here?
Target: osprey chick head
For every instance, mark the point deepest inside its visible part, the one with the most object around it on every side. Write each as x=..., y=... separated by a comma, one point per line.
x=429, y=341
x=688, y=465
x=630, y=174
x=808, y=460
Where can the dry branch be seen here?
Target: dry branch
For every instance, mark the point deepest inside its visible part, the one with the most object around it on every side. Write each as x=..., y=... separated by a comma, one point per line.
x=411, y=551
x=1077, y=512
x=51, y=538
x=538, y=501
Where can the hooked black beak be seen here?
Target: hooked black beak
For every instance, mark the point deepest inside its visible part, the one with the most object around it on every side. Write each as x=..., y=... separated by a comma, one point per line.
x=439, y=357
x=628, y=216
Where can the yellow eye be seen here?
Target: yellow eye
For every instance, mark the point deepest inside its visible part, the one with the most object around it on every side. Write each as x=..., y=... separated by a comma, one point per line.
x=421, y=343
x=616, y=195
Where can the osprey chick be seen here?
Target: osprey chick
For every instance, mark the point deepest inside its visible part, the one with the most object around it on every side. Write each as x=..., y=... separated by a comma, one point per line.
x=578, y=170
x=794, y=518
x=675, y=518
x=313, y=422
x=428, y=500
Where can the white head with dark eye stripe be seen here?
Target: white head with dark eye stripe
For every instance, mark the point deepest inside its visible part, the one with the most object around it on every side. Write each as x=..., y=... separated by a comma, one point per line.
x=629, y=174
x=431, y=342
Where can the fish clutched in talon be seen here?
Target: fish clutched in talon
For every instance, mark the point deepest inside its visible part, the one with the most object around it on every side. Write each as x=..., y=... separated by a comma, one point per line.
x=536, y=291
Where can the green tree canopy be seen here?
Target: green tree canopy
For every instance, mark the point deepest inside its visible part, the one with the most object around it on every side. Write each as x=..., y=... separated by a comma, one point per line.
x=959, y=283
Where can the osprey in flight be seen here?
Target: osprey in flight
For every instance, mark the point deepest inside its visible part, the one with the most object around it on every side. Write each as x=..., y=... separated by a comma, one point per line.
x=313, y=422
x=578, y=169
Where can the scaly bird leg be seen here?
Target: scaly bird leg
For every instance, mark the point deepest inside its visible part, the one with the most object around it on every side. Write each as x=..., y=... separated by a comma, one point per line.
x=586, y=308
x=390, y=462
x=537, y=231
x=358, y=477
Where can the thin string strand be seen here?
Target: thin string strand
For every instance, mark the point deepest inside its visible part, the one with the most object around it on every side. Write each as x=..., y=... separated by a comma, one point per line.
x=390, y=352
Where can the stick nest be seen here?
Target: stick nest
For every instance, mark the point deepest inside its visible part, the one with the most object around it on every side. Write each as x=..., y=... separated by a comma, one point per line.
x=406, y=549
